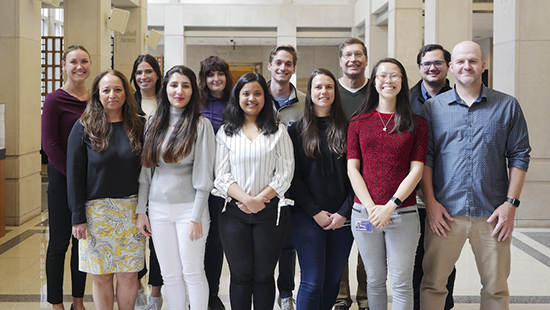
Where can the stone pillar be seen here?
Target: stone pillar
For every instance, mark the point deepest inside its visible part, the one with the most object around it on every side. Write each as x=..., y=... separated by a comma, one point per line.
x=520, y=68
x=405, y=34
x=447, y=22
x=20, y=91
x=86, y=24
x=286, y=31
x=129, y=45
x=174, y=39
x=376, y=37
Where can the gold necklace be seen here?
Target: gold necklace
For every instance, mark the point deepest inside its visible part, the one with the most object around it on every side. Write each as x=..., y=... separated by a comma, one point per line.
x=385, y=128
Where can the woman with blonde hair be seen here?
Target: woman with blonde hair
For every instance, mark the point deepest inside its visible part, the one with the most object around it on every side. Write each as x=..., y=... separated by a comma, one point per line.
x=62, y=108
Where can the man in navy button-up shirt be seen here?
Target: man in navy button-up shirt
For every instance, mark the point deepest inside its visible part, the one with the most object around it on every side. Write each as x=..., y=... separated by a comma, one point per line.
x=478, y=154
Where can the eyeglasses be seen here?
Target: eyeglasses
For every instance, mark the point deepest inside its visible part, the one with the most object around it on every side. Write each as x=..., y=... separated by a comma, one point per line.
x=393, y=77
x=438, y=64
x=348, y=55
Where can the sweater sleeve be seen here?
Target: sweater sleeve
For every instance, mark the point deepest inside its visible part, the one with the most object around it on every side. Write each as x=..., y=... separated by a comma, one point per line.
x=284, y=165
x=347, y=205
x=299, y=191
x=51, y=135
x=77, y=162
x=203, y=167
x=145, y=177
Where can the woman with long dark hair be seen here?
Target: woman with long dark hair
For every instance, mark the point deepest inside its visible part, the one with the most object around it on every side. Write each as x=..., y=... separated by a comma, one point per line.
x=254, y=167
x=215, y=85
x=387, y=145
x=175, y=181
x=322, y=193
x=147, y=80
x=102, y=173
x=62, y=108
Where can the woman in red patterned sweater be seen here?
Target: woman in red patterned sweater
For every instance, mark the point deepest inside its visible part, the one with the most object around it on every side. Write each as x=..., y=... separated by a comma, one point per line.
x=386, y=151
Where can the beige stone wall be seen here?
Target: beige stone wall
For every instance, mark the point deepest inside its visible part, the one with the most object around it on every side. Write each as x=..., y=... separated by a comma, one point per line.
x=20, y=91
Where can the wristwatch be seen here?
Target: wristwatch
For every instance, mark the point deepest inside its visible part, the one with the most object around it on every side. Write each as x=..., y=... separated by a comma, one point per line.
x=513, y=201
x=397, y=201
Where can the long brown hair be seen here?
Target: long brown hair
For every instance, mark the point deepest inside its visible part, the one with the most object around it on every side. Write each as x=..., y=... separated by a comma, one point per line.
x=96, y=122
x=181, y=141
x=338, y=127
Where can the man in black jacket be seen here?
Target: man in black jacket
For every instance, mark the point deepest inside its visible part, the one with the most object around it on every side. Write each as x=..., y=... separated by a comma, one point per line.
x=433, y=63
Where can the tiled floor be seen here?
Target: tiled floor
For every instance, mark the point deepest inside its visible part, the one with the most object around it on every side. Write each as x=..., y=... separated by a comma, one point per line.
x=23, y=280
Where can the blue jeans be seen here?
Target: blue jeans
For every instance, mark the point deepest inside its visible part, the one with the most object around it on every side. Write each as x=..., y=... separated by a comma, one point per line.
x=323, y=255
x=390, y=248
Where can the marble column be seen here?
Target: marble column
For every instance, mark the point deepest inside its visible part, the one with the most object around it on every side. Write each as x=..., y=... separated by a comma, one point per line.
x=447, y=22
x=376, y=36
x=20, y=91
x=405, y=34
x=86, y=24
x=286, y=31
x=521, y=63
x=129, y=45
x=174, y=39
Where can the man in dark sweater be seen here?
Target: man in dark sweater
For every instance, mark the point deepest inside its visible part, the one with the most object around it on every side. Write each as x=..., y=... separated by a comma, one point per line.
x=353, y=88
x=352, y=85
x=433, y=63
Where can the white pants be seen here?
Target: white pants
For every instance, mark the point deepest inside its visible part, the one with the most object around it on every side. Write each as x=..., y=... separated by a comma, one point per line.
x=181, y=260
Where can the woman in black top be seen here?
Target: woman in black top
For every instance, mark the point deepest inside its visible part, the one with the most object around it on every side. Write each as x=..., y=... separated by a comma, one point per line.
x=103, y=165
x=322, y=193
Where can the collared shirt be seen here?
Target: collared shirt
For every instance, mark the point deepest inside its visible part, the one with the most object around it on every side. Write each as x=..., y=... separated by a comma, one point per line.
x=418, y=93
x=469, y=149
x=427, y=95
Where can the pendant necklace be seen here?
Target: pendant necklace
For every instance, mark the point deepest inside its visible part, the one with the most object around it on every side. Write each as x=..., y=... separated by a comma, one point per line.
x=385, y=128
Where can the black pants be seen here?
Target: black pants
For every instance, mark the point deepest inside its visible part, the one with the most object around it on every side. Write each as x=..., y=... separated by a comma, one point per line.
x=418, y=272
x=287, y=265
x=155, y=277
x=59, y=218
x=252, y=245
x=213, y=258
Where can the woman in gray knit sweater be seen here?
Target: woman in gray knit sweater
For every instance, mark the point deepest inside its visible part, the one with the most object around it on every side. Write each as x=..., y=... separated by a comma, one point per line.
x=175, y=181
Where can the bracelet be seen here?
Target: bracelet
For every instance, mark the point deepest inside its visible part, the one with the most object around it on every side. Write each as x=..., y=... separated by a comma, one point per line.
x=513, y=201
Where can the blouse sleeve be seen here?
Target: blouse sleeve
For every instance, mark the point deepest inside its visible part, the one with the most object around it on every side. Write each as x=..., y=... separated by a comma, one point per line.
x=77, y=162
x=224, y=177
x=50, y=135
x=203, y=167
x=284, y=165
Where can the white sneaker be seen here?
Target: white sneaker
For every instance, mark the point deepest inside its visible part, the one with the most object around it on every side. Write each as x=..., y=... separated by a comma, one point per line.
x=141, y=300
x=286, y=303
x=155, y=303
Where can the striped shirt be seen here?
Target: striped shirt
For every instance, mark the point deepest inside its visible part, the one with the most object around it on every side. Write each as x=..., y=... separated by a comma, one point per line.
x=268, y=160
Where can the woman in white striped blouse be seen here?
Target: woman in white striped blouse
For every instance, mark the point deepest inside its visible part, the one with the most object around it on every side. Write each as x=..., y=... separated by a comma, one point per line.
x=254, y=168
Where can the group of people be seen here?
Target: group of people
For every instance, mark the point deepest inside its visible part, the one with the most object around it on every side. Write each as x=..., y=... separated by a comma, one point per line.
x=260, y=171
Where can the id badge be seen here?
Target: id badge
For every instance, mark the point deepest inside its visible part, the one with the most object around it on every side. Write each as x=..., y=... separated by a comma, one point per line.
x=363, y=225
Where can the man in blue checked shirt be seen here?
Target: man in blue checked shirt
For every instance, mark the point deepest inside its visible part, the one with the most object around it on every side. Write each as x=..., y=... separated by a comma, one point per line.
x=478, y=155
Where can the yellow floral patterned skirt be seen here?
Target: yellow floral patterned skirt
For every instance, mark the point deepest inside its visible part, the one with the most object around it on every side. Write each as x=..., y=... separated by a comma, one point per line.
x=113, y=243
